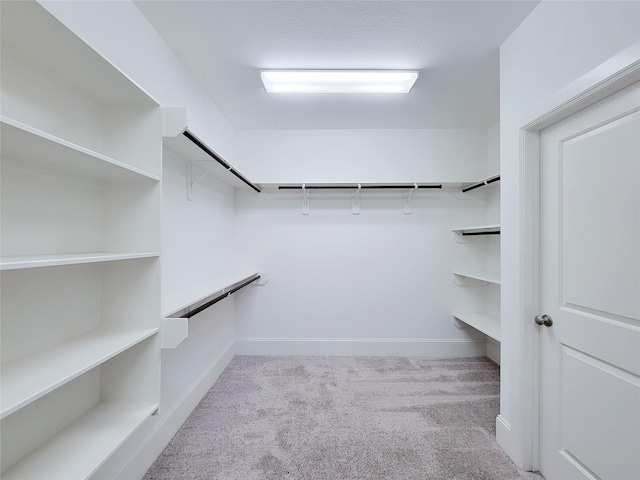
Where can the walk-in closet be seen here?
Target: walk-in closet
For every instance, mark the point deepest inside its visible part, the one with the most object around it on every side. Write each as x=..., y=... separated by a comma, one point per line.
x=204, y=277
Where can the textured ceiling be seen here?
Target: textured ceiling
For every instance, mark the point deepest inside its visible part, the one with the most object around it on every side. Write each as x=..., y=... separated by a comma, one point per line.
x=454, y=45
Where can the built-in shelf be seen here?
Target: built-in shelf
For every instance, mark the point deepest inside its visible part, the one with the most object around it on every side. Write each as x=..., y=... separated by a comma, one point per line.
x=488, y=277
x=482, y=322
x=485, y=181
x=24, y=142
x=36, y=261
x=179, y=301
x=81, y=170
x=92, y=439
x=492, y=229
x=26, y=379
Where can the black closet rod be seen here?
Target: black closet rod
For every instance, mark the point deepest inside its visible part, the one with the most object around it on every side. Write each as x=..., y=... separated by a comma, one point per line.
x=352, y=187
x=482, y=183
x=218, y=159
x=469, y=234
x=220, y=297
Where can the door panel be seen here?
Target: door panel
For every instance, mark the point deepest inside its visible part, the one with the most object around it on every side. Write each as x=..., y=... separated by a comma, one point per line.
x=590, y=286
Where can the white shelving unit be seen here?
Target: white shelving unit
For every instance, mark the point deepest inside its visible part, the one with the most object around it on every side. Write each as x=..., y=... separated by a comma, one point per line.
x=81, y=166
x=479, y=279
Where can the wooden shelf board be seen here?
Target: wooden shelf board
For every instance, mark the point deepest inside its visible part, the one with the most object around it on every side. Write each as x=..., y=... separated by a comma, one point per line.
x=490, y=277
x=27, y=143
x=55, y=260
x=91, y=439
x=27, y=379
x=482, y=322
x=478, y=228
x=177, y=300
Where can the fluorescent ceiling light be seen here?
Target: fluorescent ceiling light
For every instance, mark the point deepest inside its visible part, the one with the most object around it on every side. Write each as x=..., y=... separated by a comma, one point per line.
x=338, y=81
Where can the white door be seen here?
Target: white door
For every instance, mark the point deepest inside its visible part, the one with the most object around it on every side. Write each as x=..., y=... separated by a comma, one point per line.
x=590, y=290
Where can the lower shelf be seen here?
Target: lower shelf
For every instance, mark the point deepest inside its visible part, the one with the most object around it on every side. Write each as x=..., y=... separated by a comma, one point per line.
x=81, y=448
x=27, y=379
x=482, y=322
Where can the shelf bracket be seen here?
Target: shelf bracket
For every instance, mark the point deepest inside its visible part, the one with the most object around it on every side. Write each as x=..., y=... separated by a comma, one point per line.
x=191, y=182
x=305, y=200
x=406, y=209
x=355, y=201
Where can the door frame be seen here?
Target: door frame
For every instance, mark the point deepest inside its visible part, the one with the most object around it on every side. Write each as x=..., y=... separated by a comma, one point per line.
x=611, y=76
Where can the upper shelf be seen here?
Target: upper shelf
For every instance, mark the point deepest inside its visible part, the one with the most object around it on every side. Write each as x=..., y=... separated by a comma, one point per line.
x=485, y=181
x=59, y=52
x=178, y=139
x=26, y=143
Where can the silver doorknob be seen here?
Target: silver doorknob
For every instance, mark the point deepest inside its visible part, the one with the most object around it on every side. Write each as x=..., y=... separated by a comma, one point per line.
x=545, y=320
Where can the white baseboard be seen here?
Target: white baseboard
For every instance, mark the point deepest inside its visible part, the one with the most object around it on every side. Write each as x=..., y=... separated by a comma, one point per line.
x=503, y=435
x=159, y=437
x=360, y=346
x=493, y=350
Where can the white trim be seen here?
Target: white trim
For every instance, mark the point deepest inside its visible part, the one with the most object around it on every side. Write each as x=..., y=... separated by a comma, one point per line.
x=503, y=434
x=613, y=75
x=361, y=346
x=159, y=437
x=493, y=350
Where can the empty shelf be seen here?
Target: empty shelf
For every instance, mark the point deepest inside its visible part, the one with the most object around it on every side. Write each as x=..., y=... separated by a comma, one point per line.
x=92, y=439
x=26, y=379
x=179, y=300
x=489, y=277
x=482, y=322
x=479, y=230
x=26, y=143
x=35, y=261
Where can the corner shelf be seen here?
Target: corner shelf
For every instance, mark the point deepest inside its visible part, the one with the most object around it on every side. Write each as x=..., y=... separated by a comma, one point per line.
x=482, y=322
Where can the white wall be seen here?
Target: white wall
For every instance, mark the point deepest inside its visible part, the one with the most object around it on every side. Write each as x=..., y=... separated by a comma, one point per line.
x=558, y=43
x=375, y=283
x=363, y=156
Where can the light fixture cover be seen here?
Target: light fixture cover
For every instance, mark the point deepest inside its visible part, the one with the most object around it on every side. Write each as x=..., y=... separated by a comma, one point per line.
x=338, y=81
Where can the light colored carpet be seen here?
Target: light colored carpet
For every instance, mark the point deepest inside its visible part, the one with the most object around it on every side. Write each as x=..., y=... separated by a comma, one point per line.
x=343, y=418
